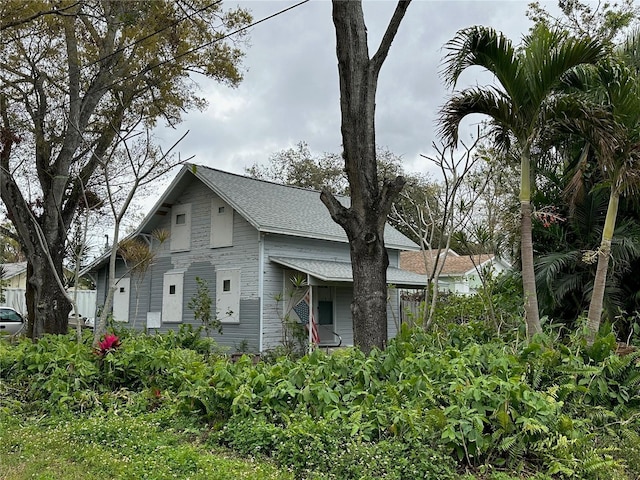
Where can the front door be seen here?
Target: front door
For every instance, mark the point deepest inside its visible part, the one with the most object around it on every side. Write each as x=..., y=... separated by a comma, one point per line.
x=326, y=320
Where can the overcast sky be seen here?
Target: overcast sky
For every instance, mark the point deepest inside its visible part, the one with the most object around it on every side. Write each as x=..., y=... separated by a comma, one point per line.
x=290, y=90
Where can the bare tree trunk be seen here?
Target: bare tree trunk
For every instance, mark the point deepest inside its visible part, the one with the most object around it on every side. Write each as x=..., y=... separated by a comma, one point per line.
x=371, y=202
x=100, y=326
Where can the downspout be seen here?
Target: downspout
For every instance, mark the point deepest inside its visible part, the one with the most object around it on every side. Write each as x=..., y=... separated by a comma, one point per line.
x=260, y=288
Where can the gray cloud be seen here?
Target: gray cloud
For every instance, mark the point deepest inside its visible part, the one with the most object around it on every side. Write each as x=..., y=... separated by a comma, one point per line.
x=290, y=91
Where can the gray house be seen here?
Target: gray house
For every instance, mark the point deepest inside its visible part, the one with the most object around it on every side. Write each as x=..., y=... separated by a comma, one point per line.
x=247, y=238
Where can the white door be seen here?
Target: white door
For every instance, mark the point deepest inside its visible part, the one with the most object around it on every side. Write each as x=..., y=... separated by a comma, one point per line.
x=121, y=300
x=172, y=291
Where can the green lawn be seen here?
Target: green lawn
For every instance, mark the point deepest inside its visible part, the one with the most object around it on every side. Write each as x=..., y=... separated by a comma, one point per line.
x=114, y=446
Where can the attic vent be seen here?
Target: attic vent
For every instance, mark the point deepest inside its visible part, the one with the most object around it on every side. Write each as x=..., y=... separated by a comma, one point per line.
x=220, y=209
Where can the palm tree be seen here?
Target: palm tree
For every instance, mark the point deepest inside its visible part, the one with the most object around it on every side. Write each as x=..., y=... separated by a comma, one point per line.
x=519, y=106
x=564, y=280
x=615, y=84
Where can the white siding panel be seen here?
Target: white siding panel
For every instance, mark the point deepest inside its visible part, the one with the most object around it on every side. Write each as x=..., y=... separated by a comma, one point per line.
x=228, y=295
x=172, y=297
x=221, y=224
x=181, y=227
x=121, y=298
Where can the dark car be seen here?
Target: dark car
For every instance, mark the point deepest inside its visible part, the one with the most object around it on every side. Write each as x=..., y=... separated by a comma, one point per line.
x=11, y=322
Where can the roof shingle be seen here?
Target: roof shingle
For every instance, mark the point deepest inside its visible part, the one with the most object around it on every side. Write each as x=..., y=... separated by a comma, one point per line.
x=453, y=265
x=276, y=208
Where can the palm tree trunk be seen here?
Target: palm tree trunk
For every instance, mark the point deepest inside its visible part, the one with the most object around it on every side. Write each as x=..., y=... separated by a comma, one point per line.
x=600, y=281
x=532, y=315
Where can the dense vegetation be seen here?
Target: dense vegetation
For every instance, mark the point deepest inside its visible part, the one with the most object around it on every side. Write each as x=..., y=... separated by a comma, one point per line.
x=461, y=400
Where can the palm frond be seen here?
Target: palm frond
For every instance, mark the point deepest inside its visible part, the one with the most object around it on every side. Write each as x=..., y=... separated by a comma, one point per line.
x=577, y=114
x=574, y=190
x=589, y=216
x=490, y=102
x=550, y=54
x=567, y=284
x=629, y=50
x=550, y=268
x=625, y=246
x=484, y=47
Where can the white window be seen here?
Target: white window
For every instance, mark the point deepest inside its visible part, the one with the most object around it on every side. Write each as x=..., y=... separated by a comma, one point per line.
x=181, y=228
x=221, y=224
x=228, y=295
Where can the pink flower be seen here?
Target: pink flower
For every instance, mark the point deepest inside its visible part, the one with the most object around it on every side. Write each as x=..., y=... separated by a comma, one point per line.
x=110, y=342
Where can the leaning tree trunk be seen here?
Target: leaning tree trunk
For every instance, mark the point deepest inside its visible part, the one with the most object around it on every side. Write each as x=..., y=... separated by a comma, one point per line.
x=600, y=281
x=371, y=201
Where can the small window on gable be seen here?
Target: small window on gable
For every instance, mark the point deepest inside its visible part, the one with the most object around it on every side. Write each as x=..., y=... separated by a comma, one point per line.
x=172, y=289
x=226, y=286
x=181, y=219
x=121, y=289
x=220, y=209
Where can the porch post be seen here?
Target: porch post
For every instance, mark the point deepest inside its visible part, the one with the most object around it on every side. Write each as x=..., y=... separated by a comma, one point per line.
x=311, y=317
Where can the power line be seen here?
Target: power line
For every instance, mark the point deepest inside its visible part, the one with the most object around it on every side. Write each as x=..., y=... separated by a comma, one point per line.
x=188, y=52
x=204, y=45
x=146, y=37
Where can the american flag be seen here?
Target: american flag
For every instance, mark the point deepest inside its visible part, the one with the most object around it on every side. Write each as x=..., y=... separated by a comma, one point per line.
x=305, y=314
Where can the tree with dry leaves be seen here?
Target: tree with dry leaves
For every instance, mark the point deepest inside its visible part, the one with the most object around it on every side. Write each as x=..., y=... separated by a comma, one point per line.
x=75, y=74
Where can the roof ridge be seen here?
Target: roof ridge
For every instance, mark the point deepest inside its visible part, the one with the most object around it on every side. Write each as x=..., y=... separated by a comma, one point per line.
x=271, y=182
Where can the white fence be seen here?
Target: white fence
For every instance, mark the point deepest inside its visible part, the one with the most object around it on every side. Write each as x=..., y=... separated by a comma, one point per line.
x=14, y=298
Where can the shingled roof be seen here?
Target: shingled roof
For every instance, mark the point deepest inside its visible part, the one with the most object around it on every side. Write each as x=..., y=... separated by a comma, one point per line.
x=274, y=208
x=453, y=264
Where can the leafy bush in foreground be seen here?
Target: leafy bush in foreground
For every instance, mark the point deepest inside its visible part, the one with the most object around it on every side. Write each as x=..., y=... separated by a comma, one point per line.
x=426, y=407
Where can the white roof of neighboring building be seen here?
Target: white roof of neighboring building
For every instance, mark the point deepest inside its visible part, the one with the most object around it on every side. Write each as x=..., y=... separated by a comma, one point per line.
x=12, y=269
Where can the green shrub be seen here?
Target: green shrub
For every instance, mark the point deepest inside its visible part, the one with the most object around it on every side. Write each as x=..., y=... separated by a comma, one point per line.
x=425, y=406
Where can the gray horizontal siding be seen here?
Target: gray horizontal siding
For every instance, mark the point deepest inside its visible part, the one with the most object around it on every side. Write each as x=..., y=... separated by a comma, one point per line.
x=233, y=335
x=243, y=254
x=285, y=246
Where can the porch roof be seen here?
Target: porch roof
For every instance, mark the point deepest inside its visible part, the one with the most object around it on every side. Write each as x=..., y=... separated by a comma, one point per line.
x=334, y=271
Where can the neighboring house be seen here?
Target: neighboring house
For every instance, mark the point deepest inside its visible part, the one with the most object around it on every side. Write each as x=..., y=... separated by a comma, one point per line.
x=247, y=238
x=14, y=275
x=14, y=284
x=459, y=273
